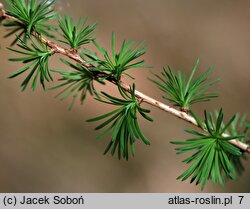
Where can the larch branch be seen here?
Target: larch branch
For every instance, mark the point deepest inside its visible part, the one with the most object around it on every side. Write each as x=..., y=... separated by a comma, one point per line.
x=56, y=48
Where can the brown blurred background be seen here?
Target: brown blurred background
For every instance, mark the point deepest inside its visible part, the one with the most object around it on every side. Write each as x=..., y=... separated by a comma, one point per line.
x=45, y=148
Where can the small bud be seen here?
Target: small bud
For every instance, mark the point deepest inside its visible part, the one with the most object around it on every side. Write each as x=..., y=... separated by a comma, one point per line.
x=1, y=5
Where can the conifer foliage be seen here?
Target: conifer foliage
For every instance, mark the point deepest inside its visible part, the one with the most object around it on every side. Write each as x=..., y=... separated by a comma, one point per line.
x=37, y=36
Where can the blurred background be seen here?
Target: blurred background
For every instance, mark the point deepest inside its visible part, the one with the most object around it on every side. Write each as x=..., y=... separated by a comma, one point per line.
x=46, y=148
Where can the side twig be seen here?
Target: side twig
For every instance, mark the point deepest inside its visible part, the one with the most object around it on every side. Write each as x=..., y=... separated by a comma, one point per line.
x=55, y=48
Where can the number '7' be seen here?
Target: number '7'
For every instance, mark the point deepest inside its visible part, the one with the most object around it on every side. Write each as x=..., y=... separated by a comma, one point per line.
x=241, y=198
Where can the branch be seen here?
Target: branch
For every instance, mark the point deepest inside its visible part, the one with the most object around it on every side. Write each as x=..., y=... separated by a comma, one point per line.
x=55, y=48
x=180, y=114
